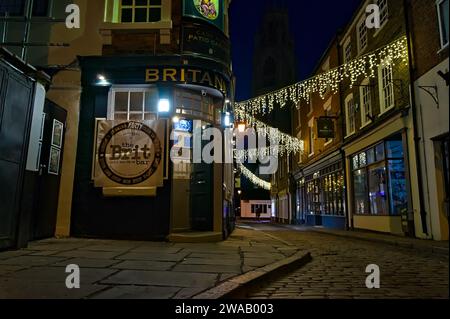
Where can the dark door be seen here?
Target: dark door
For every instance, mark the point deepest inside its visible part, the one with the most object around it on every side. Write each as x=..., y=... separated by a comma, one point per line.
x=202, y=196
x=15, y=108
x=43, y=222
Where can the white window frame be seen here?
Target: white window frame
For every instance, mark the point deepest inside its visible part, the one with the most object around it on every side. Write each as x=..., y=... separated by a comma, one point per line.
x=312, y=137
x=441, y=33
x=128, y=89
x=347, y=50
x=366, y=89
x=133, y=7
x=327, y=108
x=347, y=115
x=386, y=86
x=383, y=9
x=362, y=24
x=112, y=17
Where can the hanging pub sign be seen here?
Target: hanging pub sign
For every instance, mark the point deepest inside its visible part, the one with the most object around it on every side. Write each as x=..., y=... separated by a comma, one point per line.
x=207, y=42
x=325, y=127
x=130, y=154
x=211, y=11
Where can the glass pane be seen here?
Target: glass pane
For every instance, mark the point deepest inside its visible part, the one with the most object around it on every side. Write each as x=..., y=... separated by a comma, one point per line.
x=140, y=15
x=154, y=15
x=127, y=15
x=360, y=192
x=394, y=149
x=371, y=156
x=136, y=101
x=444, y=21
x=150, y=117
x=380, y=152
x=355, y=162
x=120, y=117
x=151, y=101
x=121, y=102
x=40, y=8
x=13, y=7
x=155, y=2
x=398, y=192
x=136, y=117
x=378, y=191
x=362, y=159
x=141, y=3
x=127, y=2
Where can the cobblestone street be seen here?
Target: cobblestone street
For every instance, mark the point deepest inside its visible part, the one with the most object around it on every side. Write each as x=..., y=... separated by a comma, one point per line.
x=337, y=269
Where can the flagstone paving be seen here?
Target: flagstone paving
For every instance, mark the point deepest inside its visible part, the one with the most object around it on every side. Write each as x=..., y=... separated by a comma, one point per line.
x=127, y=269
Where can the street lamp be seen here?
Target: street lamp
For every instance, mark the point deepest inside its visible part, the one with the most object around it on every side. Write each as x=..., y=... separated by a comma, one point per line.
x=241, y=127
x=163, y=106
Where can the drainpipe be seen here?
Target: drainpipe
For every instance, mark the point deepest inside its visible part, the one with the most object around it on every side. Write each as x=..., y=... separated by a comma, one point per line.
x=423, y=213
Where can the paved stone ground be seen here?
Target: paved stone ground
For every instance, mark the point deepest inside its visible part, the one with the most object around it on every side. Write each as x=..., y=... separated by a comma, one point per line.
x=337, y=270
x=124, y=269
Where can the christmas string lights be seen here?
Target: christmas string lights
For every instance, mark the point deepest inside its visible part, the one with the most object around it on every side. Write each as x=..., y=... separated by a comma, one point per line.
x=287, y=144
x=363, y=66
x=254, y=179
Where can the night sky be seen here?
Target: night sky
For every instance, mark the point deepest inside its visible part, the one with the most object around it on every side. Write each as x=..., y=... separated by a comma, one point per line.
x=313, y=25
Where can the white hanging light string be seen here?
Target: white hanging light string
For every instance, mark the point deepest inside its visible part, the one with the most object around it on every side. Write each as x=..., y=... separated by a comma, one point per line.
x=365, y=65
x=254, y=179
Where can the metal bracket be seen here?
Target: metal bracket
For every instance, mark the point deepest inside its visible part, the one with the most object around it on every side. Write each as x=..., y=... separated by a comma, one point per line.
x=433, y=92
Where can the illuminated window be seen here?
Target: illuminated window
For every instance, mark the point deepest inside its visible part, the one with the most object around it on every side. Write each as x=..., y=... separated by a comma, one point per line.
x=133, y=104
x=132, y=11
x=442, y=7
x=311, y=140
x=386, y=87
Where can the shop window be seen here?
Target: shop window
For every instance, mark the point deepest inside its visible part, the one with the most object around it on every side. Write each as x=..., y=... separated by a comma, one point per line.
x=398, y=195
x=443, y=9
x=379, y=179
x=386, y=87
x=378, y=190
x=133, y=104
x=133, y=11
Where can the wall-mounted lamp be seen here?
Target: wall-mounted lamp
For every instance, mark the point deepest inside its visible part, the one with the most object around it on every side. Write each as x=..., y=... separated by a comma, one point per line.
x=164, y=106
x=241, y=127
x=101, y=80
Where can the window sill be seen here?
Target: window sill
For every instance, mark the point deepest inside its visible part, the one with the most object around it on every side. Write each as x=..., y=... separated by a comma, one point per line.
x=166, y=24
x=442, y=49
x=365, y=125
x=386, y=110
x=311, y=155
x=381, y=28
x=328, y=143
x=349, y=135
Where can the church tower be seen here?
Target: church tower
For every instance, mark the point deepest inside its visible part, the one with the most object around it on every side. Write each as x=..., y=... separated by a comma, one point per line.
x=274, y=55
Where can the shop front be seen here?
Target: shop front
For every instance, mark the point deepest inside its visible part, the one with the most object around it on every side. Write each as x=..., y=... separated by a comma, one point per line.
x=380, y=189
x=137, y=176
x=321, y=193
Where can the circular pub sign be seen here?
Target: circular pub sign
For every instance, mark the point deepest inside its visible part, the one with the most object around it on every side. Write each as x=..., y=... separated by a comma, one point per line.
x=130, y=153
x=208, y=8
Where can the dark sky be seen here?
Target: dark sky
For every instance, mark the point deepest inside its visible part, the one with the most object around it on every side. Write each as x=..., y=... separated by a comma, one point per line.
x=313, y=24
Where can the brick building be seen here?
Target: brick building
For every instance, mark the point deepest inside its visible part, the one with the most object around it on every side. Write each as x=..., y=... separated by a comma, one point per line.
x=319, y=172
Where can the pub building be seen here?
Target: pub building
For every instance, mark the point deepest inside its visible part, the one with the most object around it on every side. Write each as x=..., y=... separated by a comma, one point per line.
x=135, y=177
